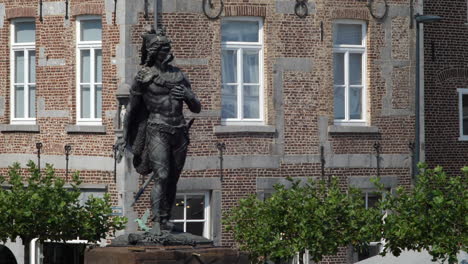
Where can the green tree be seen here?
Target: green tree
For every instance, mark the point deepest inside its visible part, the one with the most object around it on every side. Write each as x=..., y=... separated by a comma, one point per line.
x=40, y=207
x=308, y=216
x=432, y=216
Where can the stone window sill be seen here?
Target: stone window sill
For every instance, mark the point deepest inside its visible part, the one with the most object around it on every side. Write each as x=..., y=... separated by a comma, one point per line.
x=8, y=128
x=219, y=130
x=81, y=129
x=353, y=129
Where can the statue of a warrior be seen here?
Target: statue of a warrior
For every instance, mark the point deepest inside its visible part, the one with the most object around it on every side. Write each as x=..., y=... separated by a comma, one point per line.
x=155, y=129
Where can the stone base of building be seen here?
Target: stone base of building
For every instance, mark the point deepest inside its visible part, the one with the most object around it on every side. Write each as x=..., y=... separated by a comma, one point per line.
x=164, y=255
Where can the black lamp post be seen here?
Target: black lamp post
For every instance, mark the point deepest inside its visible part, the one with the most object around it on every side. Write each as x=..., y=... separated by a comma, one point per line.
x=420, y=19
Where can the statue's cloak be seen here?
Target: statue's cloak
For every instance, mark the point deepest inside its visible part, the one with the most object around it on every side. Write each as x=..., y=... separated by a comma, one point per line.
x=135, y=121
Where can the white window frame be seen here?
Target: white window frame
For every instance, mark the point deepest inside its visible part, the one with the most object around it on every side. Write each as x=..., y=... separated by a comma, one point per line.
x=346, y=50
x=92, y=46
x=240, y=46
x=461, y=92
x=206, y=221
x=367, y=193
x=26, y=47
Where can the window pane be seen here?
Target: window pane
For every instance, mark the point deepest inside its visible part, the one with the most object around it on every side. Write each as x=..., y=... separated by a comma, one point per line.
x=355, y=69
x=195, y=228
x=372, y=200
x=32, y=101
x=338, y=68
x=251, y=101
x=178, y=208
x=347, y=34
x=98, y=66
x=85, y=101
x=32, y=66
x=229, y=101
x=465, y=114
x=355, y=105
x=244, y=31
x=91, y=30
x=19, y=101
x=251, y=67
x=339, y=99
x=229, y=66
x=85, y=66
x=25, y=32
x=195, y=207
x=98, y=101
x=19, y=66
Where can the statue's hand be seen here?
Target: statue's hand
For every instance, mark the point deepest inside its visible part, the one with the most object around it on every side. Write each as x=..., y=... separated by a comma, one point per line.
x=145, y=75
x=181, y=93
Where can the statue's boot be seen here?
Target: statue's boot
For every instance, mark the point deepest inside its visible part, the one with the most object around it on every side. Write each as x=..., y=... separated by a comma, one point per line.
x=156, y=230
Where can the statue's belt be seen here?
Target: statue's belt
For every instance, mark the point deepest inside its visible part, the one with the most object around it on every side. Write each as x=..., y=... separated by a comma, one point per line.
x=171, y=129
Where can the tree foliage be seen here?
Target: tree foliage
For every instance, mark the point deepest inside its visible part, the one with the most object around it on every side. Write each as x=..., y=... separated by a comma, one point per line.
x=432, y=216
x=305, y=216
x=40, y=207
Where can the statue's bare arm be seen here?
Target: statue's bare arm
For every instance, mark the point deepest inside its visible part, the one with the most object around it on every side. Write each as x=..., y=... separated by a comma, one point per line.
x=184, y=92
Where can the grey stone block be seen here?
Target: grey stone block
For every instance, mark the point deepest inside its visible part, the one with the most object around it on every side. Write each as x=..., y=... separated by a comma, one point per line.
x=2, y=14
x=243, y=129
x=79, y=129
x=352, y=129
x=363, y=182
x=75, y=162
x=19, y=128
x=287, y=7
x=191, y=61
x=198, y=184
x=2, y=106
x=189, y=6
x=53, y=8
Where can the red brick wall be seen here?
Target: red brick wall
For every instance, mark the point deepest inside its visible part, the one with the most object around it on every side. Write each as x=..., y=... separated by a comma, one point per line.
x=307, y=95
x=446, y=70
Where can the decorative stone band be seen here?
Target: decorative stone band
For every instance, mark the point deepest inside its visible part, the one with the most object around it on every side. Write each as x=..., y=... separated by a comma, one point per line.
x=20, y=12
x=75, y=162
x=87, y=9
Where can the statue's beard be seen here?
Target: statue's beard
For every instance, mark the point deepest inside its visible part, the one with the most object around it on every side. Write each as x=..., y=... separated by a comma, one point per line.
x=161, y=64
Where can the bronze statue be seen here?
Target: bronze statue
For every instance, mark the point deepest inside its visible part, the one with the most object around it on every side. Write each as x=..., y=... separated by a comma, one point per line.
x=155, y=129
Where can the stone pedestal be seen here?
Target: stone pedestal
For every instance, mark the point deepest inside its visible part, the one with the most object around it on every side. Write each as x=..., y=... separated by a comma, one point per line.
x=165, y=255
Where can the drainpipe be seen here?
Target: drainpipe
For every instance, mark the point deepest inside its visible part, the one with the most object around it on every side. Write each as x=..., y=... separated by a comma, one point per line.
x=155, y=12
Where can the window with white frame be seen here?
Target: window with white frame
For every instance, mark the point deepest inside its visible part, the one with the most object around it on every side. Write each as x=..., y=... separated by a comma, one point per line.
x=371, y=198
x=242, y=70
x=463, y=110
x=23, y=71
x=89, y=70
x=191, y=213
x=349, y=70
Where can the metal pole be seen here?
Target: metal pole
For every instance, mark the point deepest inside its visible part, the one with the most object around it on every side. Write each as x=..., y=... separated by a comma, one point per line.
x=221, y=147
x=40, y=11
x=115, y=148
x=417, y=103
x=38, y=147
x=115, y=11
x=155, y=11
x=322, y=161
x=377, y=156
x=67, y=155
x=413, y=175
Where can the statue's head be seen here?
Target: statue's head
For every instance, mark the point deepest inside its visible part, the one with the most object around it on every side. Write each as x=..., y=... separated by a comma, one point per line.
x=156, y=48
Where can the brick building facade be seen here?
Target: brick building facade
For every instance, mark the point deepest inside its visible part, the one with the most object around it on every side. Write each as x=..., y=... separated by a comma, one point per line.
x=338, y=79
x=446, y=85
